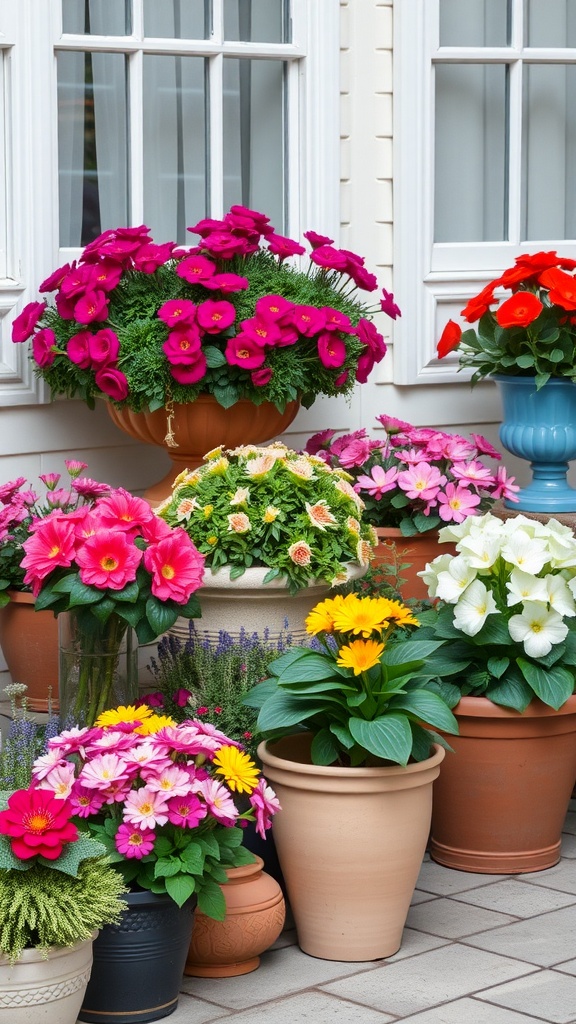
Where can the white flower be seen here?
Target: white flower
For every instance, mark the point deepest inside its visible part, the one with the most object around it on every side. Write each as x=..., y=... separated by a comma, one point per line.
x=559, y=596
x=455, y=579
x=525, y=552
x=538, y=629
x=523, y=586
x=481, y=550
x=430, y=574
x=473, y=608
x=241, y=497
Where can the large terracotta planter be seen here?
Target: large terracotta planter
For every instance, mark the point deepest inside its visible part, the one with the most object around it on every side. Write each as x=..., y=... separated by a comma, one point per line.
x=255, y=913
x=350, y=843
x=45, y=989
x=197, y=428
x=29, y=641
x=394, y=549
x=501, y=800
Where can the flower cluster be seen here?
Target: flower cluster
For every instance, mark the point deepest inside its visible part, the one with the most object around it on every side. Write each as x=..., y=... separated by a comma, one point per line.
x=160, y=796
x=362, y=690
x=271, y=506
x=506, y=607
x=417, y=477
x=141, y=323
x=530, y=333
x=113, y=557
x=22, y=509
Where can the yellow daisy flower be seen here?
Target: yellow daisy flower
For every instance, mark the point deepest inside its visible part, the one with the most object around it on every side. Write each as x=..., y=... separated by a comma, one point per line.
x=153, y=724
x=117, y=716
x=214, y=453
x=208, y=510
x=238, y=770
x=360, y=655
x=360, y=615
x=212, y=539
x=397, y=612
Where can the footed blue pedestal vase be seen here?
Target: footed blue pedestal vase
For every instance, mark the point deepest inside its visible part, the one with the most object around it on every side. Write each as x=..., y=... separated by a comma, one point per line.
x=540, y=426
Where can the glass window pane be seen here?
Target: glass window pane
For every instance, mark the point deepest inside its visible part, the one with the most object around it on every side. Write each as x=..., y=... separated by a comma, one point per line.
x=549, y=152
x=3, y=189
x=474, y=22
x=257, y=21
x=92, y=144
x=177, y=19
x=254, y=137
x=97, y=17
x=175, y=160
x=550, y=22
x=470, y=161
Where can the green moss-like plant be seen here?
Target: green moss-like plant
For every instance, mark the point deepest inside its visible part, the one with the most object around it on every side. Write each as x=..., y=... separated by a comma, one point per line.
x=43, y=907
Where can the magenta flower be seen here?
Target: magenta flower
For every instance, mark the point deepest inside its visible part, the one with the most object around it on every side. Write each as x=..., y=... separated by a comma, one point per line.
x=226, y=283
x=365, y=366
x=78, y=349
x=379, y=482
x=262, y=377
x=196, y=269
x=25, y=324
x=284, y=247
x=50, y=546
x=108, y=560
x=181, y=697
x=484, y=447
x=370, y=337
x=308, y=320
x=51, y=283
x=331, y=350
x=150, y=256
x=317, y=240
x=272, y=307
x=84, y=801
x=177, y=313
x=44, y=347
x=186, y=811
x=244, y=351
x=176, y=566
x=505, y=485
x=421, y=481
x=261, y=330
x=120, y=510
x=329, y=258
x=214, y=317
x=88, y=488
x=113, y=383
x=103, y=347
x=183, y=345
x=91, y=306
x=192, y=372
x=388, y=306
x=456, y=503
x=265, y=804
x=134, y=842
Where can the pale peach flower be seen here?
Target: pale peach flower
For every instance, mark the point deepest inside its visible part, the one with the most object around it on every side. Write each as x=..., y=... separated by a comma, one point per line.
x=363, y=552
x=238, y=522
x=271, y=514
x=185, y=508
x=353, y=524
x=242, y=496
x=261, y=465
x=348, y=490
x=300, y=552
x=214, y=453
x=218, y=467
x=339, y=578
x=320, y=515
x=301, y=468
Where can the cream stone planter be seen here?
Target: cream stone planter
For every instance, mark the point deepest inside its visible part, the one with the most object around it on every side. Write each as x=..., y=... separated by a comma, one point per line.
x=45, y=991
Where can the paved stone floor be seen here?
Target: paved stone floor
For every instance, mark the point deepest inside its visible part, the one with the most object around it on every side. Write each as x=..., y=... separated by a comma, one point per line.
x=477, y=949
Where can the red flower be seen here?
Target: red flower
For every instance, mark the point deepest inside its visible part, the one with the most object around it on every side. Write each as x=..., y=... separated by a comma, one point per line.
x=38, y=823
x=450, y=339
x=479, y=305
x=561, y=287
x=520, y=310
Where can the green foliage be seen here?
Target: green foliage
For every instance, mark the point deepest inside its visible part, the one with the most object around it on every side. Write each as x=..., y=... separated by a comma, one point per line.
x=42, y=907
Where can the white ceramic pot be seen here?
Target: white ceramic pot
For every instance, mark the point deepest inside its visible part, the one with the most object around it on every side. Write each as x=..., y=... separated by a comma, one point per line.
x=45, y=991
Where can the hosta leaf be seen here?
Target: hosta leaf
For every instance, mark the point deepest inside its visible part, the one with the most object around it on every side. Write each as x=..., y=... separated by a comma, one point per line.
x=388, y=737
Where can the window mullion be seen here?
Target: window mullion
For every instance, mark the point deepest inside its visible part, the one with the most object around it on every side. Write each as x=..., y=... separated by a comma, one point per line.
x=215, y=142
x=514, y=143
x=136, y=132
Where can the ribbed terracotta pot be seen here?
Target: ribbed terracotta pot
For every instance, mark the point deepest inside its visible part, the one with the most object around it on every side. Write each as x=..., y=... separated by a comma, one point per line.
x=198, y=427
x=40, y=989
x=350, y=843
x=29, y=642
x=255, y=914
x=502, y=797
x=394, y=549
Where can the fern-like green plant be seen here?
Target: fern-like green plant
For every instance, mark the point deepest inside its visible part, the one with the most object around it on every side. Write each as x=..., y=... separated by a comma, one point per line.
x=43, y=907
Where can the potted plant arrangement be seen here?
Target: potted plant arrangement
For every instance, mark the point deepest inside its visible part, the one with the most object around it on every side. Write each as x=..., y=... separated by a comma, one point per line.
x=173, y=337
x=526, y=344
x=161, y=797
x=270, y=522
x=29, y=639
x=352, y=752
x=412, y=482
x=505, y=609
x=105, y=570
x=24, y=741
x=57, y=889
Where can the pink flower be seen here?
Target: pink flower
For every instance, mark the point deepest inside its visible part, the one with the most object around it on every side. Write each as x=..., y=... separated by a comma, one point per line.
x=44, y=347
x=108, y=560
x=261, y=330
x=177, y=313
x=284, y=247
x=78, y=349
x=271, y=307
x=317, y=240
x=226, y=283
x=186, y=811
x=337, y=321
x=59, y=781
x=84, y=801
x=103, y=347
x=88, y=488
x=308, y=320
x=123, y=511
x=90, y=307
x=151, y=256
x=75, y=467
x=474, y=473
x=355, y=452
x=51, y=283
x=220, y=804
x=484, y=447
x=171, y=781
x=134, y=842
x=243, y=351
x=113, y=383
x=265, y=804
x=145, y=809
x=214, y=317
x=421, y=481
x=190, y=372
x=196, y=269
x=45, y=763
x=331, y=350
x=260, y=378
x=50, y=546
x=379, y=482
x=181, y=697
x=365, y=366
x=103, y=771
x=387, y=305
x=176, y=566
x=505, y=486
x=370, y=337
x=456, y=503
x=329, y=258
x=24, y=324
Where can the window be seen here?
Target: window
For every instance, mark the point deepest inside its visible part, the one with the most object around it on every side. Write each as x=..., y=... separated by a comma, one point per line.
x=486, y=155
x=140, y=111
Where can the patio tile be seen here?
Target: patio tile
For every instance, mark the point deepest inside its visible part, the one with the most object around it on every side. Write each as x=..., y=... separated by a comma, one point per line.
x=445, y=881
x=413, y=943
x=310, y=1007
x=427, y=980
x=521, y=899
x=422, y=897
x=469, y=1011
x=452, y=919
x=547, y=994
x=542, y=940
x=568, y=845
x=195, y=1011
x=562, y=877
x=281, y=973
x=570, y=822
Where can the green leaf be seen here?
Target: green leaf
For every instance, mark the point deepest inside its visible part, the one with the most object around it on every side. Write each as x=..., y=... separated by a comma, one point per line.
x=214, y=357
x=193, y=858
x=428, y=707
x=553, y=685
x=226, y=395
x=180, y=888
x=512, y=692
x=324, y=749
x=309, y=668
x=74, y=853
x=409, y=650
x=389, y=736
x=211, y=900
x=160, y=615
x=282, y=711
x=497, y=666
x=167, y=867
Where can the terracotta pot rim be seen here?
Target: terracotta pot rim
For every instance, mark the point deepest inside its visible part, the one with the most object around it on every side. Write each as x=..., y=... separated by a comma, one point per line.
x=396, y=532
x=20, y=596
x=378, y=771
x=244, y=870
x=482, y=707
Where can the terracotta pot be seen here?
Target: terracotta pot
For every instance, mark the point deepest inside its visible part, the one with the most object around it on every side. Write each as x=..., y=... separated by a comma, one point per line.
x=45, y=989
x=350, y=843
x=255, y=914
x=29, y=641
x=197, y=428
x=501, y=800
x=393, y=549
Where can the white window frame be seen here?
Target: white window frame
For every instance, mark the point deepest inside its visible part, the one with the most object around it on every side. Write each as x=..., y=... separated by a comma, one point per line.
x=30, y=33
x=433, y=281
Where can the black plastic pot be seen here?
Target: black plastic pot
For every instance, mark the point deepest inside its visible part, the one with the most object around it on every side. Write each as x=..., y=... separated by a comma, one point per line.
x=138, y=964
